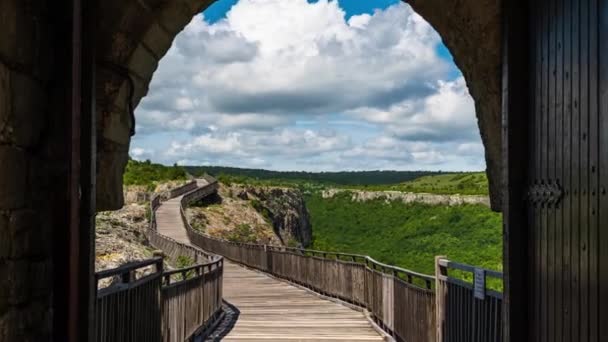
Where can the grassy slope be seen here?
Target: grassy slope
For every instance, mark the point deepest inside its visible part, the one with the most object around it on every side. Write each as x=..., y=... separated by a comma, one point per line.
x=474, y=183
x=407, y=235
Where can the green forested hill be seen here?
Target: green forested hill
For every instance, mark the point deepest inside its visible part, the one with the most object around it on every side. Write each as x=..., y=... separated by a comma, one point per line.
x=407, y=235
x=466, y=183
x=330, y=178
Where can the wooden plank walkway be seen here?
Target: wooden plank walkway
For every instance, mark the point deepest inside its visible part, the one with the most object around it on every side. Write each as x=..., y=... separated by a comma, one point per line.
x=274, y=310
x=169, y=221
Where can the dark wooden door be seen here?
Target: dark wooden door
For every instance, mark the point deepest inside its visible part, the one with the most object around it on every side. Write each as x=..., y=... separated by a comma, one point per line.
x=568, y=171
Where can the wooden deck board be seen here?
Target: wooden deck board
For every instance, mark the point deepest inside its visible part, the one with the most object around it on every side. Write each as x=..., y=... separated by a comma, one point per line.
x=271, y=310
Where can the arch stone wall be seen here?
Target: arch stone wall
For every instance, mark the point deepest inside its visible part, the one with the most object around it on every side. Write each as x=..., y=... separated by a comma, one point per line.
x=135, y=34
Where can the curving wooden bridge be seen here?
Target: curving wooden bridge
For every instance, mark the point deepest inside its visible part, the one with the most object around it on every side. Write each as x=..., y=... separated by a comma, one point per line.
x=270, y=309
x=277, y=293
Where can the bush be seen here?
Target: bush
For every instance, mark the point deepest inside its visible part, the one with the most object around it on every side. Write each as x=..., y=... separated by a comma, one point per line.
x=183, y=261
x=148, y=174
x=242, y=233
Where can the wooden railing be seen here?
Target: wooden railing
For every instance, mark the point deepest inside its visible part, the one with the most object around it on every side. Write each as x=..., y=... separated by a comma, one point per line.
x=130, y=309
x=409, y=306
x=192, y=300
x=467, y=311
x=402, y=302
x=163, y=306
x=188, y=187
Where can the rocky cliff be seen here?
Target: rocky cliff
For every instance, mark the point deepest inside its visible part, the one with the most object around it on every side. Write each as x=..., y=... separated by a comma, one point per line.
x=120, y=235
x=244, y=213
x=286, y=209
x=410, y=197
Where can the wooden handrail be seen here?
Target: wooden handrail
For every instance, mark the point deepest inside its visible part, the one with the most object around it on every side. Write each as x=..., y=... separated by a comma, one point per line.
x=468, y=268
x=129, y=267
x=147, y=309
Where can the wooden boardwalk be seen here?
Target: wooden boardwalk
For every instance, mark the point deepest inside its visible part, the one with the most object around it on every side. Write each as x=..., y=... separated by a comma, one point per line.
x=273, y=310
x=169, y=221
x=270, y=309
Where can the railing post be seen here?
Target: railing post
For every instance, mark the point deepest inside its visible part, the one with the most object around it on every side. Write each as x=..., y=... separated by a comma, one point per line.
x=126, y=277
x=440, y=298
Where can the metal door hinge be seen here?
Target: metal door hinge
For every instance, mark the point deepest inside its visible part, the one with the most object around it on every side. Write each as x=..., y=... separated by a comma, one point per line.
x=545, y=193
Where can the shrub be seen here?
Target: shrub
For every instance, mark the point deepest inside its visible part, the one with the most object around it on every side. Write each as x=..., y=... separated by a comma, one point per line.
x=183, y=261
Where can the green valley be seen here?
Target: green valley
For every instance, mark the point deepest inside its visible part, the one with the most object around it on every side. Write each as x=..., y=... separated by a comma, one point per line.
x=407, y=235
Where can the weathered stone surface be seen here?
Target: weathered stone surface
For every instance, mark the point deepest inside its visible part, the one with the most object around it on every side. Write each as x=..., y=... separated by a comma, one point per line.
x=18, y=281
x=21, y=108
x=286, y=210
x=28, y=323
x=29, y=236
x=24, y=40
x=112, y=160
x=142, y=62
x=175, y=16
x=4, y=295
x=471, y=29
x=39, y=273
x=409, y=197
x=5, y=104
x=197, y=6
x=27, y=280
x=13, y=176
x=117, y=125
x=157, y=40
x=28, y=112
x=5, y=237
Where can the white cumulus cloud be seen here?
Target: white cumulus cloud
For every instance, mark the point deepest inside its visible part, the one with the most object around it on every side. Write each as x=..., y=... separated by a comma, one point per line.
x=235, y=91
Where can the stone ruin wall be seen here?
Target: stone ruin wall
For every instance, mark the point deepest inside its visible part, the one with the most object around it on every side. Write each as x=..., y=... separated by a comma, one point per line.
x=30, y=156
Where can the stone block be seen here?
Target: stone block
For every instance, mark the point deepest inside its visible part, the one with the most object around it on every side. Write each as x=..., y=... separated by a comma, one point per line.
x=117, y=125
x=4, y=294
x=175, y=16
x=5, y=103
x=30, y=322
x=157, y=40
x=25, y=38
x=5, y=237
x=142, y=62
x=111, y=163
x=21, y=221
x=17, y=277
x=28, y=111
x=40, y=277
x=28, y=280
x=13, y=177
x=197, y=6
x=30, y=236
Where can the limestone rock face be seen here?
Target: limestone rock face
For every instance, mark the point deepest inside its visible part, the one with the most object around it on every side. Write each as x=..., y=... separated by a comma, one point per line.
x=135, y=35
x=409, y=197
x=287, y=211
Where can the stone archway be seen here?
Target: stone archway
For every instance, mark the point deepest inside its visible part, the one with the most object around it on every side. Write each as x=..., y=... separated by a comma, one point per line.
x=134, y=35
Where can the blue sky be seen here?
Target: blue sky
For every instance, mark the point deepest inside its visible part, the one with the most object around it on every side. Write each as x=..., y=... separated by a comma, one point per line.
x=309, y=85
x=218, y=10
